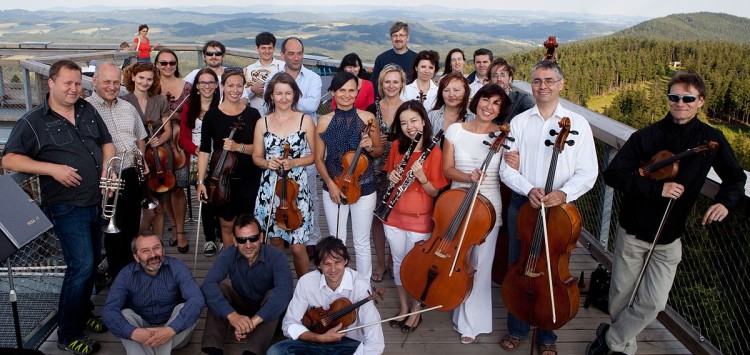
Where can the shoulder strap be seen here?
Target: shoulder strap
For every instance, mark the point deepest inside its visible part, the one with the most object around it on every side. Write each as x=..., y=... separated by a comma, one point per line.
x=300, y=120
x=266, y=119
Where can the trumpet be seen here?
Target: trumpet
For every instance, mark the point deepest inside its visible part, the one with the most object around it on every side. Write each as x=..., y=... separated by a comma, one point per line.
x=382, y=209
x=149, y=201
x=110, y=185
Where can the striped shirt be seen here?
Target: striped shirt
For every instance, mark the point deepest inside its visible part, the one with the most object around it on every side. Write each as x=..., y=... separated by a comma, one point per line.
x=124, y=124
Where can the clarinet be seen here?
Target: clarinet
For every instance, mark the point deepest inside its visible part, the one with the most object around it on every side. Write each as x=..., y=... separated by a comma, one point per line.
x=383, y=205
x=383, y=215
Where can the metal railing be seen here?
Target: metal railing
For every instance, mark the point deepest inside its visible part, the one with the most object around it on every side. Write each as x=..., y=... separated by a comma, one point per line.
x=706, y=311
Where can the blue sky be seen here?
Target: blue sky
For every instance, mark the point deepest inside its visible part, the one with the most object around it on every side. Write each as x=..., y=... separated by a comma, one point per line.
x=644, y=8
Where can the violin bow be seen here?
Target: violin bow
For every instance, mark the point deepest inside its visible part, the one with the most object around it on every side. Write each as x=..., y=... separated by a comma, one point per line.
x=465, y=226
x=651, y=251
x=197, y=231
x=543, y=211
x=169, y=117
x=385, y=320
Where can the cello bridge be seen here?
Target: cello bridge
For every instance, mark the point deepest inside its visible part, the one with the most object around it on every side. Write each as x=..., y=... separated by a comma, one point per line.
x=441, y=255
x=530, y=273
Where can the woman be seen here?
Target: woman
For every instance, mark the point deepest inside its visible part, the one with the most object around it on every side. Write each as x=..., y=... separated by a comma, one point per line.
x=452, y=103
x=366, y=94
x=142, y=44
x=175, y=90
x=410, y=221
x=204, y=95
x=391, y=83
x=454, y=62
x=423, y=89
x=285, y=126
x=339, y=132
x=142, y=82
x=245, y=178
x=464, y=150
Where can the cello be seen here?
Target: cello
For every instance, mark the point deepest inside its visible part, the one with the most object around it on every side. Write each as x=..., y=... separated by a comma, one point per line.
x=353, y=168
x=440, y=272
x=222, y=166
x=288, y=215
x=539, y=289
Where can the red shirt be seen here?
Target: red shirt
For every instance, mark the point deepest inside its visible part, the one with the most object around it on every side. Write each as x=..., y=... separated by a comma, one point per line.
x=144, y=49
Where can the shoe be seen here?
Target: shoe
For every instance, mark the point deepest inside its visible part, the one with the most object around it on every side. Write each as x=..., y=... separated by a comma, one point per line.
x=80, y=346
x=465, y=339
x=210, y=350
x=379, y=277
x=547, y=348
x=96, y=325
x=509, y=342
x=209, y=249
x=407, y=329
x=173, y=241
x=186, y=248
x=599, y=345
x=397, y=323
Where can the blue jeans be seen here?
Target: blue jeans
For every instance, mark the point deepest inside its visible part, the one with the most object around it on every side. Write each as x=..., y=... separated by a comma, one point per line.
x=79, y=232
x=346, y=346
x=516, y=327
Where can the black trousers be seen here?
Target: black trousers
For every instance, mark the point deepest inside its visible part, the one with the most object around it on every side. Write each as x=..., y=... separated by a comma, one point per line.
x=128, y=220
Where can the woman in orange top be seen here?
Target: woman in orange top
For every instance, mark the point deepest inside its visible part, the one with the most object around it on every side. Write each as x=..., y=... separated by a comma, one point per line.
x=410, y=220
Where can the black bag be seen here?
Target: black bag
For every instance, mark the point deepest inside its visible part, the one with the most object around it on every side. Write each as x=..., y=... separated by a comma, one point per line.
x=598, y=294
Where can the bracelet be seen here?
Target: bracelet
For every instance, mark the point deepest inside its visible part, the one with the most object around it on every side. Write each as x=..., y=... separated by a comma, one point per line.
x=242, y=148
x=425, y=182
x=199, y=182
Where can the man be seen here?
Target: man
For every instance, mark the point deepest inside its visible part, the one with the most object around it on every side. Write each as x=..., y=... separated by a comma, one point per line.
x=332, y=280
x=575, y=173
x=644, y=202
x=501, y=73
x=252, y=300
x=128, y=135
x=400, y=54
x=479, y=77
x=293, y=52
x=213, y=57
x=65, y=142
x=154, y=303
x=258, y=73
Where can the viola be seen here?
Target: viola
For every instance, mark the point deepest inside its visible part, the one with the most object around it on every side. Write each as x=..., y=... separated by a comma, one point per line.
x=539, y=288
x=288, y=215
x=353, y=168
x=342, y=310
x=160, y=179
x=664, y=164
x=179, y=159
x=440, y=272
x=221, y=166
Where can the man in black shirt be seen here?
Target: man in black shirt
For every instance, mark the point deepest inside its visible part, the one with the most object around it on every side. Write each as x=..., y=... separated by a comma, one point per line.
x=65, y=141
x=644, y=202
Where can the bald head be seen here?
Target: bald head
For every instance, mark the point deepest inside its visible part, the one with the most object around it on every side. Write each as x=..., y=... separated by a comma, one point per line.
x=107, y=81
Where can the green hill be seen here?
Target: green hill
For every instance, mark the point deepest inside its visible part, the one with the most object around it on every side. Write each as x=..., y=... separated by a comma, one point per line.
x=693, y=26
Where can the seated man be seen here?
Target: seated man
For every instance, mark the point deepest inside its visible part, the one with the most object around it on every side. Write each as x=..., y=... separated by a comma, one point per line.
x=257, y=291
x=320, y=288
x=154, y=303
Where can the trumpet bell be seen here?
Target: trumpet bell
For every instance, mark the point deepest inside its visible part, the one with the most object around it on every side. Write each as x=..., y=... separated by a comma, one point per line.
x=149, y=203
x=111, y=228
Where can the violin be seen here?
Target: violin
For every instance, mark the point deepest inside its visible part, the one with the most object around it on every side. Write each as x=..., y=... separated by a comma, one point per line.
x=353, y=168
x=288, y=215
x=664, y=164
x=178, y=154
x=539, y=289
x=221, y=166
x=319, y=320
x=440, y=271
x=160, y=179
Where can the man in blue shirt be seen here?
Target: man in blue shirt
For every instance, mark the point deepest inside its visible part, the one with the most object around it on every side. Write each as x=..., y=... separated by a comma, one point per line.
x=258, y=290
x=154, y=303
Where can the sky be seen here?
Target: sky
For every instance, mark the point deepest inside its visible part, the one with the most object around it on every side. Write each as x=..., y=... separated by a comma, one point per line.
x=642, y=8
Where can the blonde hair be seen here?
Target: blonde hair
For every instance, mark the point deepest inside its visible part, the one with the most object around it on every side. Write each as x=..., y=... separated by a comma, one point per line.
x=388, y=69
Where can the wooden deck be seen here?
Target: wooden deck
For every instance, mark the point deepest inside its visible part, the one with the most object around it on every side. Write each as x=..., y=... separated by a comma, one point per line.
x=435, y=335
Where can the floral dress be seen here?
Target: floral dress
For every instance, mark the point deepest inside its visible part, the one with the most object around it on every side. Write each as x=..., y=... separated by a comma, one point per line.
x=274, y=147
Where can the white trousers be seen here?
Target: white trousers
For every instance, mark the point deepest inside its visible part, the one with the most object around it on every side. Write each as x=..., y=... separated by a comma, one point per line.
x=401, y=242
x=361, y=225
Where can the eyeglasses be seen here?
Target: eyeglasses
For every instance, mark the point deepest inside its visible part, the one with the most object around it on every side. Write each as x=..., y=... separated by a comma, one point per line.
x=685, y=98
x=500, y=75
x=547, y=82
x=205, y=83
x=251, y=239
x=165, y=63
x=213, y=54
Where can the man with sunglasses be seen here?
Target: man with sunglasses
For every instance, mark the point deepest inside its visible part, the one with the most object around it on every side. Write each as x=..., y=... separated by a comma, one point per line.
x=644, y=202
x=213, y=57
x=248, y=287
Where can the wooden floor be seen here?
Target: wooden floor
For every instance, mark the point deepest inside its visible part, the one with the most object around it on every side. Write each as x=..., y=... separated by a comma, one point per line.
x=435, y=335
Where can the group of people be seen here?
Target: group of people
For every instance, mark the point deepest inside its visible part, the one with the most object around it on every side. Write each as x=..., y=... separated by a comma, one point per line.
x=262, y=121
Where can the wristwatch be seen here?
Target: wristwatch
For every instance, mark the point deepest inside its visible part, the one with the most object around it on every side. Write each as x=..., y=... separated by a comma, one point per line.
x=199, y=182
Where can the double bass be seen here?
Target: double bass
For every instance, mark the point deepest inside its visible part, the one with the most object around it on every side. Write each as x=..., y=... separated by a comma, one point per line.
x=353, y=167
x=440, y=272
x=288, y=215
x=221, y=166
x=538, y=289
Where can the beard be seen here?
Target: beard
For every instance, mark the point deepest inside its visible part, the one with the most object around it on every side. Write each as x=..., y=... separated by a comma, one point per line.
x=152, y=264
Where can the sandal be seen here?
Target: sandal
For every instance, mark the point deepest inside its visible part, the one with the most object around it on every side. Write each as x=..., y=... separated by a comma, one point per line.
x=547, y=349
x=173, y=240
x=184, y=249
x=378, y=277
x=509, y=342
x=465, y=339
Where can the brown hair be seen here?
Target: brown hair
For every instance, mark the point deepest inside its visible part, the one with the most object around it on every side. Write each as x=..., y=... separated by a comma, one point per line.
x=133, y=70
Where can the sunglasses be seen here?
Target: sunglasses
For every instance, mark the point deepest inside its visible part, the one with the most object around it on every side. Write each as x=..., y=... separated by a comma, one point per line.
x=165, y=63
x=685, y=98
x=251, y=239
x=213, y=54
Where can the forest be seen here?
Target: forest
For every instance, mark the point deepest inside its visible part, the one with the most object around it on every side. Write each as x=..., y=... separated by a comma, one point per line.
x=638, y=69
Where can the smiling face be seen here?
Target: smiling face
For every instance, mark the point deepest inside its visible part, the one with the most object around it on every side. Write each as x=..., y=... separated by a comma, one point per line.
x=425, y=70
x=333, y=267
x=283, y=96
x=107, y=82
x=166, y=63
x=482, y=64
x=453, y=93
x=149, y=253
x=488, y=108
x=399, y=40
x=411, y=123
x=293, y=55
x=354, y=69
x=65, y=88
x=548, y=90
x=265, y=51
x=457, y=62
x=345, y=95
x=249, y=250
x=216, y=59
x=684, y=112
x=206, y=85
x=501, y=77
x=143, y=80
x=233, y=87
x=392, y=84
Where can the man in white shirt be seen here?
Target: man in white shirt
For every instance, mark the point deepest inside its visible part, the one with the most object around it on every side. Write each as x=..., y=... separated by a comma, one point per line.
x=575, y=173
x=320, y=288
x=258, y=73
x=480, y=77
